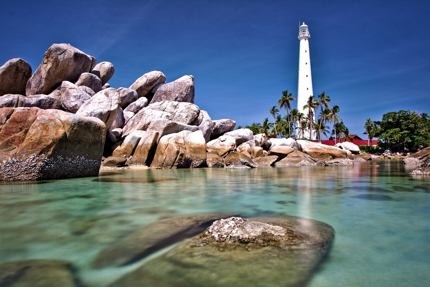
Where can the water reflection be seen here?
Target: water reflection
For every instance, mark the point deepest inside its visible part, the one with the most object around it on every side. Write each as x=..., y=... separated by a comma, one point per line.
x=73, y=219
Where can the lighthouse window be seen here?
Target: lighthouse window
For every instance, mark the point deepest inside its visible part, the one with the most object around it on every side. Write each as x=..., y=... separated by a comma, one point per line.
x=306, y=76
x=306, y=63
x=306, y=51
x=307, y=88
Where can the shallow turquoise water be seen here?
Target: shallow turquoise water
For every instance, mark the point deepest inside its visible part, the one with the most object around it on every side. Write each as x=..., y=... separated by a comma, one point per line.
x=381, y=215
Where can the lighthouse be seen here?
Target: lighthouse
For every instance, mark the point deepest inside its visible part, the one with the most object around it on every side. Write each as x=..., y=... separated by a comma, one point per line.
x=305, y=76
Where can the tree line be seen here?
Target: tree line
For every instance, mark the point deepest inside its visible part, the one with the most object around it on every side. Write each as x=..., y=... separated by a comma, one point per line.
x=294, y=123
x=400, y=131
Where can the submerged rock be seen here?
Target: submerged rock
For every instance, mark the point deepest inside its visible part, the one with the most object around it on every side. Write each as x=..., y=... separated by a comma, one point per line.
x=31, y=273
x=155, y=236
x=264, y=251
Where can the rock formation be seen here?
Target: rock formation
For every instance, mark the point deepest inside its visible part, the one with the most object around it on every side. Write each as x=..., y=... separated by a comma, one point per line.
x=169, y=132
x=61, y=62
x=104, y=70
x=147, y=82
x=14, y=75
x=181, y=90
x=43, y=144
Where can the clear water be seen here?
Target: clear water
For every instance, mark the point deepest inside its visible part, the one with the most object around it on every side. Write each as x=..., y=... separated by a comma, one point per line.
x=381, y=215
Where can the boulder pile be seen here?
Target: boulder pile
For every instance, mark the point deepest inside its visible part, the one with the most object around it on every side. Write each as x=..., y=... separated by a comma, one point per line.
x=65, y=118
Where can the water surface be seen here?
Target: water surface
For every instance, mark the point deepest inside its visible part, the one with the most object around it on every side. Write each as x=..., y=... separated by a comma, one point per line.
x=381, y=215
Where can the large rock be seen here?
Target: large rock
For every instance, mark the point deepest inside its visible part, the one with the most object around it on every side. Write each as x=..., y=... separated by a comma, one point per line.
x=180, y=150
x=44, y=144
x=104, y=105
x=262, y=251
x=214, y=160
x=72, y=97
x=119, y=121
x=338, y=162
x=241, y=135
x=165, y=127
x=14, y=75
x=238, y=160
x=250, y=148
x=289, y=142
x=180, y=90
x=418, y=157
x=205, y=124
x=31, y=273
x=422, y=169
x=137, y=105
x=221, y=145
x=296, y=158
x=114, y=161
x=104, y=70
x=221, y=127
x=61, y=62
x=40, y=101
x=91, y=81
x=266, y=160
x=181, y=112
x=281, y=151
x=128, y=145
x=262, y=141
x=146, y=147
x=353, y=148
x=147, y=82
x=321, y=151
x=155, y=236
x=128, y=96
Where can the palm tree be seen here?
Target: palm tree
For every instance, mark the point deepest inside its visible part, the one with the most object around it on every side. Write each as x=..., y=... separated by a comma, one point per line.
x=294, y=116
x=303, y=126
x=266, y=126
x=340, y=130
x=284, y=102
x=370, y=127
x=324, y=100
x=321, y=128
x=324, y=117
x=334, y=118
x=281, y=126
x=274, y=111
x=311, y=105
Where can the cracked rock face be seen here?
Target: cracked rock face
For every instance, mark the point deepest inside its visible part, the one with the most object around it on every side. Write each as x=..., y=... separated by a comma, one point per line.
x=237, y=229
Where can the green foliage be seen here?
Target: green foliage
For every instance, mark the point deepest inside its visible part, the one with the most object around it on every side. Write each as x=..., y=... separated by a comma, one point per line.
x=369, y=149
x=294, y=123
x=403, y=130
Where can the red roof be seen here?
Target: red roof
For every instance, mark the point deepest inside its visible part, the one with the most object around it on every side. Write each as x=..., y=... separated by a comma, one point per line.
x=356, y=140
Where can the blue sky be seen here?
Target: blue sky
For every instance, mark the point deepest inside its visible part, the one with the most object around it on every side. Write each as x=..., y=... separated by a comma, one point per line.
x=371, y=57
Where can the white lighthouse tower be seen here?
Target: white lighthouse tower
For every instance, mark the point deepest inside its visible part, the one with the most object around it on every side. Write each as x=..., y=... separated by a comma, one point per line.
x=305, y=76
